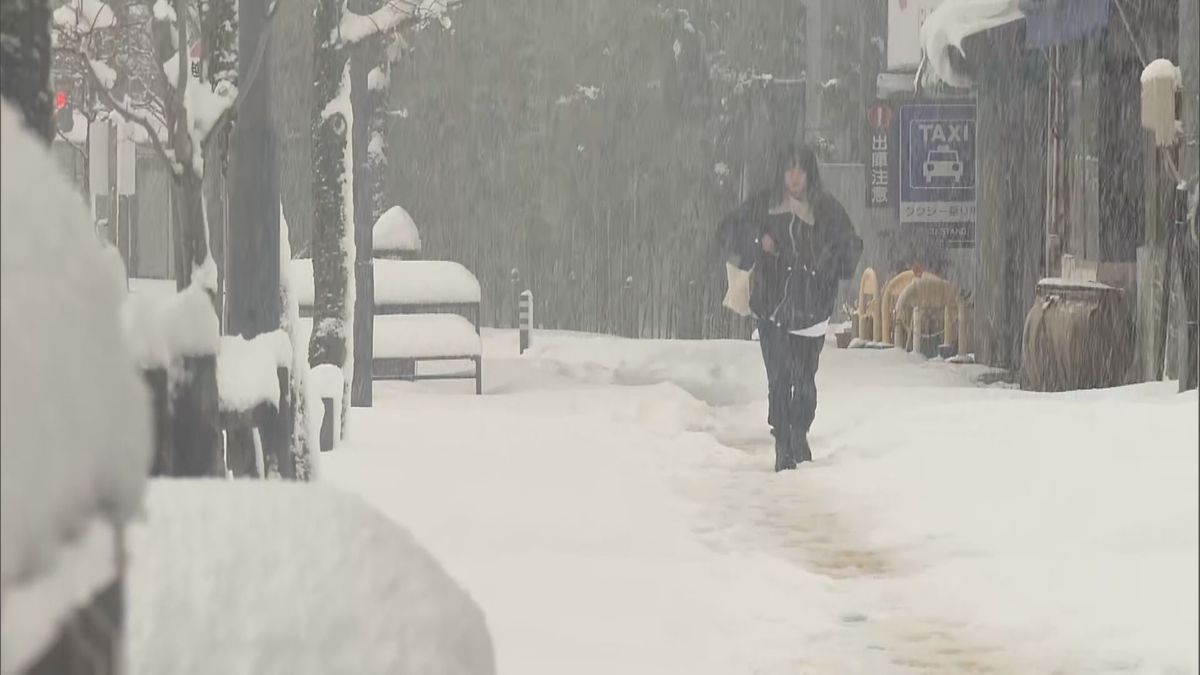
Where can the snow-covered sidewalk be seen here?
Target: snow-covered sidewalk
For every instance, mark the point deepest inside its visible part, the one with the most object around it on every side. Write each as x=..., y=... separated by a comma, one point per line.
x=611, y=506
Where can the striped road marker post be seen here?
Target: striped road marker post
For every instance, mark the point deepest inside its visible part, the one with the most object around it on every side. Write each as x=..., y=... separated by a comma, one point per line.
x=525, y=317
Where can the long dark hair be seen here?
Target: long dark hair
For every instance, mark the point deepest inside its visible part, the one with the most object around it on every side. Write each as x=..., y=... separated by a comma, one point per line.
x=793, y=155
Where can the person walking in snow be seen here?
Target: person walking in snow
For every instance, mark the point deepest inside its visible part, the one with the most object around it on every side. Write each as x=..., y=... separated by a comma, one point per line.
x=786, y=249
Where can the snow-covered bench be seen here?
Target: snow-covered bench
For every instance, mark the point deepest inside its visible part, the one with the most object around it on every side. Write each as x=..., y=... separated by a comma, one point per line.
x=425, y=310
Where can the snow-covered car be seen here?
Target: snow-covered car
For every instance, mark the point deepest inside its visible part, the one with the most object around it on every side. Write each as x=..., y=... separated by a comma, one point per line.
x=943, y=162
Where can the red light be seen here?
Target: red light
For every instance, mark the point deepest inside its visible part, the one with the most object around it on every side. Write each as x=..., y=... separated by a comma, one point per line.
x=60, y=100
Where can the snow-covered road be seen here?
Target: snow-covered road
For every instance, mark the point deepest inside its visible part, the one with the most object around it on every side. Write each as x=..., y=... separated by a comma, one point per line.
x=611, y=505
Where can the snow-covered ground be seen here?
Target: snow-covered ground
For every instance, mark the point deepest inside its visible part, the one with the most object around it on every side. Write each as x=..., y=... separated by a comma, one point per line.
x=611, y=506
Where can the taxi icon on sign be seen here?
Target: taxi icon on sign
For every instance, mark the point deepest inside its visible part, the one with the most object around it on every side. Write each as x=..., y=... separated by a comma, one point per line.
x=942, y=162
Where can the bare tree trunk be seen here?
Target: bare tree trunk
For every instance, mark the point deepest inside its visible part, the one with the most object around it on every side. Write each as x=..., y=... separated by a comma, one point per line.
x=197, y=402
x=333, y=241
x=191, y=240
x=363, y=57
x=25, y=62
x=254, y=196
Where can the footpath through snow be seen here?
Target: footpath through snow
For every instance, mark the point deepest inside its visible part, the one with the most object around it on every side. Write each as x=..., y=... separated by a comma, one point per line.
x=611, y=506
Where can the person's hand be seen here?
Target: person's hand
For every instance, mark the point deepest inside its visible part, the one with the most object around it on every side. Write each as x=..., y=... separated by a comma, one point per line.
x=768, y=243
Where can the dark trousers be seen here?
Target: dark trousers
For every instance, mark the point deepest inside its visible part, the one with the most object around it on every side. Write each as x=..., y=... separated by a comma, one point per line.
x=791, y=362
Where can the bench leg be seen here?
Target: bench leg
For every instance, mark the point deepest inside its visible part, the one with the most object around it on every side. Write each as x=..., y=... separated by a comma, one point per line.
x=478, y=376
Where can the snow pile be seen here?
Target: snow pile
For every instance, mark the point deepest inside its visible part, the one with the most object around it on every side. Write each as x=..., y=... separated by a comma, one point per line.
x=162, y=328
x=76, y=426
x=1160, y=80
x=247, y=369
x=163, y=11
x=33, y=611
x=954, y=21
x=104, y=72
x=424, y=282
x=378, y=79
x=396, y=231
x=403, y=282
x=1065, y=524
x=1162, y=70
x=205, y=104
x=279, y=578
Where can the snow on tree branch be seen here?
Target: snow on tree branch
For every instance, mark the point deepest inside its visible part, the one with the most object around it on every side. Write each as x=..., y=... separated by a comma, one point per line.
x=102, y=83
x=394, y=14
x=84, y=16
x=107, y=76
x=163, y=11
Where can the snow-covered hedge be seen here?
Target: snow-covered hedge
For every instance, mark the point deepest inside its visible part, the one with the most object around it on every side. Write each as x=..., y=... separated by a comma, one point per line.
x=76, y=438
x=271, y=577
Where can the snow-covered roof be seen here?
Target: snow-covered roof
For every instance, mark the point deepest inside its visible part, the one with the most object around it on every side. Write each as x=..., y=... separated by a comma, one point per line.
x=403, y=282
x=396, y=231
x=76, y=440
x=278, y=578
x=954, y=21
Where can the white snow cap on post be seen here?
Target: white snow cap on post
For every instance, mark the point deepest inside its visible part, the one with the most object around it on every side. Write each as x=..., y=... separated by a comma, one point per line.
x=1160, y=80
x=396, y=231
x=954, y=21
x=247, y=370
x=76, y=435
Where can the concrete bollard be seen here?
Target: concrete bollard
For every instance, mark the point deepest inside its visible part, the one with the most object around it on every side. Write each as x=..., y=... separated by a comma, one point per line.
x=918, y=329
x=525, y=317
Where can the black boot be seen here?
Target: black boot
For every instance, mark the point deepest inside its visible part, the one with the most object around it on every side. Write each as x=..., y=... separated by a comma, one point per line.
x=783, y=454
x=801, y=452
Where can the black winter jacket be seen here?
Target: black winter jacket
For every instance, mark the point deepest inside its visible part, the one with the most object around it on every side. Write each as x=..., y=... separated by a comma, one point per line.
x=797, y=286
